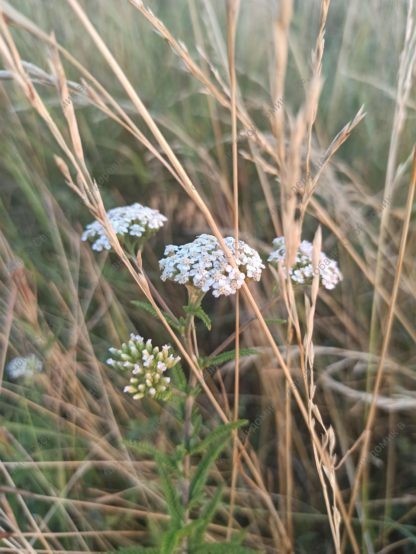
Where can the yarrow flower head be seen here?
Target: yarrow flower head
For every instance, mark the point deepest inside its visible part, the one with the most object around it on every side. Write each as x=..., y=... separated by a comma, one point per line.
x=204, y=265
x=302, y=271
x=146, y=365
x=130, y=223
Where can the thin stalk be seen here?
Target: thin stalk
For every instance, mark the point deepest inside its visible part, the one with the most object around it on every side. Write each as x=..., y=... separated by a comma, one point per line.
x=233, y=9
x=190, y=340
x=288, y=448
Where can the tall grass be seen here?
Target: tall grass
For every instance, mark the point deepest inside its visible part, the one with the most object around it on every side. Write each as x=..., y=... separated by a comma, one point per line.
x=241, y=118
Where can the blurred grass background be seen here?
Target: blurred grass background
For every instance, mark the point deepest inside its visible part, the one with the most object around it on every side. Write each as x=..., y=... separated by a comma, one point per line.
x=67, y=305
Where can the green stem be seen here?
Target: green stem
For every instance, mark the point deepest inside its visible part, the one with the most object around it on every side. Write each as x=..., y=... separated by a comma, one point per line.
x=189, y=336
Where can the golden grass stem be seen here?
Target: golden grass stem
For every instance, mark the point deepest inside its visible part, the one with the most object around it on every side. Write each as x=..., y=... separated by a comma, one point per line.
x=233, y=7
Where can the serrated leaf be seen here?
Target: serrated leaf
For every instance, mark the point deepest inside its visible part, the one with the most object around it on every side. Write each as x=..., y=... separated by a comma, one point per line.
x=170, y=542
x=147, y=307
x=205, y=517
x=144, y=447
x=179, y=378
x=213, y=450
x=227, y=356
x=175, y=536
x=218, y=434
x=197, y=424
x=200, y=313
x=173, y=501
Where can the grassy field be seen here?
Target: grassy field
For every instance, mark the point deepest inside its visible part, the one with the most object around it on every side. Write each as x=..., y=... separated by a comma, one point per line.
x=290, y=426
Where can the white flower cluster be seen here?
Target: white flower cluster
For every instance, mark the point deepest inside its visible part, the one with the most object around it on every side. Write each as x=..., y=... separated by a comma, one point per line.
x=203, y=264
x=23, y=366
x=135, y=221
x=146, y=364
x=302, y=270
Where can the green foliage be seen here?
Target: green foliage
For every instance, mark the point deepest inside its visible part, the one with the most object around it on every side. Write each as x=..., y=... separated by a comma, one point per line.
x=144, y=447
x=218, y=436
x=179, y=378
x=173, y=501
x=147, y=307
x=200, y=313
x=225, y=357
x=213, y=445
x=224, y=549
x=205, y=517
x=174, y=538
x=170, y=469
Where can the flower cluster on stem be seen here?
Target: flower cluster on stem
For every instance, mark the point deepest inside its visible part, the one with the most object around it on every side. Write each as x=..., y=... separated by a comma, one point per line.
x=146, y=365
x=204, y=265
x=132, y=224
x=303, y=271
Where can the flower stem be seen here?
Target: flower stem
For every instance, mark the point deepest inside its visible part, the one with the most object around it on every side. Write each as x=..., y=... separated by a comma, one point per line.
x=190, y=339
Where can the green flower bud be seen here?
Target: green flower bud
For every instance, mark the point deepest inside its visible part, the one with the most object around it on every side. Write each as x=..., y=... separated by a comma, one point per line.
x=146, y=365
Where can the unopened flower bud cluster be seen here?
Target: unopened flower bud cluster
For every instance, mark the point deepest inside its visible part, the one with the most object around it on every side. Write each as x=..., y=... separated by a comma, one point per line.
x=203, y=264
x=303, y=271
x=146, y=365
x=135, y=221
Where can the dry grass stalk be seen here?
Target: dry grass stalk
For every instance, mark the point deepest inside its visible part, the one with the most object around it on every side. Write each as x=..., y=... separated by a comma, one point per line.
x=325, y=466
x=386, y=340
x=233, y=8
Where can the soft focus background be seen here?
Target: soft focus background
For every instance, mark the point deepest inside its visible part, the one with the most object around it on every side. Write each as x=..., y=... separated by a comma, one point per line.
x=68, y=434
